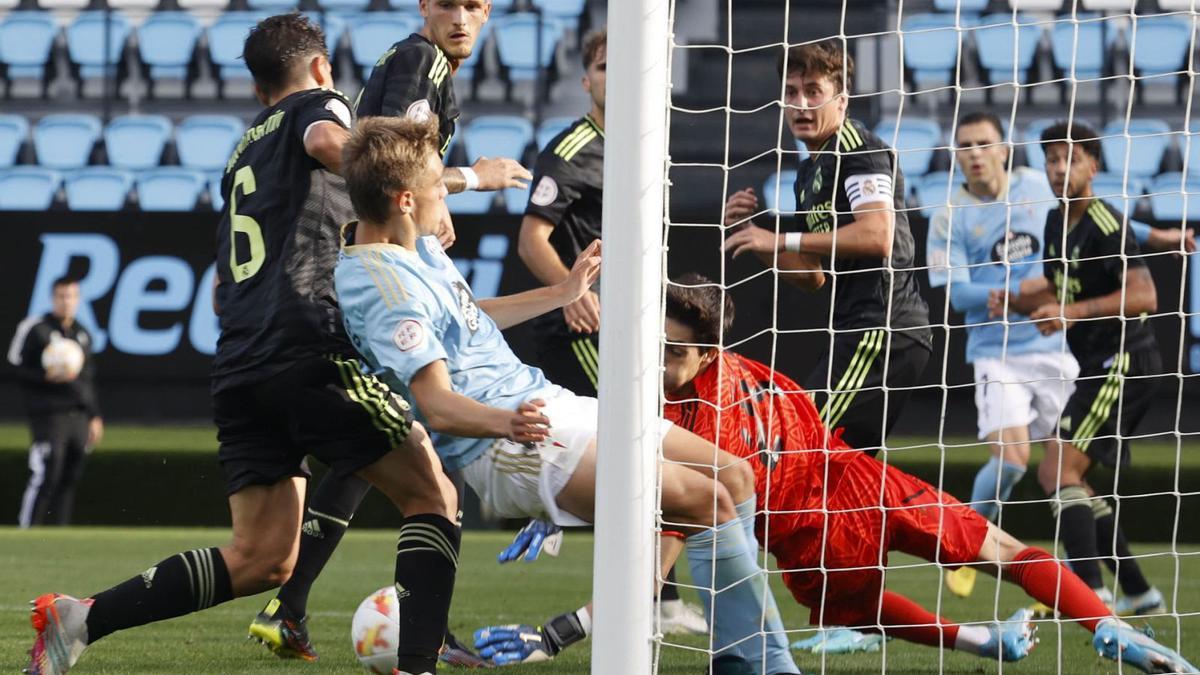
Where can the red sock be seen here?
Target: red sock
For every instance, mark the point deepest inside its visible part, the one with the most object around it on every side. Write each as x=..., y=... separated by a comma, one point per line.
x=907, y=620
x=1049, y=582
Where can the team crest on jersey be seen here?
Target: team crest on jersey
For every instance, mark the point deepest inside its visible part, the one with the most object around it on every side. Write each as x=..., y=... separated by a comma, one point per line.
x=466, y=303
x=408, y=335
x=546, y=192
x=419, y=111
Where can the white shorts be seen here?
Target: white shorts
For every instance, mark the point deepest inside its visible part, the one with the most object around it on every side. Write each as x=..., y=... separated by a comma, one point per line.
x=520, y=481
x=1024, y=390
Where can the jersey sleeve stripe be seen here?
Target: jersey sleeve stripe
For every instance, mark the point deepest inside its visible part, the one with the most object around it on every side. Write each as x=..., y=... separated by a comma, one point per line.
x=574, y=141
x=18, y=342
x=580, y=144
x=1104, y=219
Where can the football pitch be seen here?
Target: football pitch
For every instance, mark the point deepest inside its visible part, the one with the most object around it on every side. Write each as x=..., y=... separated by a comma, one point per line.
x=84, y=560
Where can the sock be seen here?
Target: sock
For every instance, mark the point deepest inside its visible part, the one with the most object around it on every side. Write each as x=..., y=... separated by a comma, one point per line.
x=669, y=590
x=993, y=486
x=565, y=630
x=1072, y=505
x=1049, y=582
x=426, y=561
x=779, y=655
x=905, y=619
x=1111, y=542
x=718, y=560
x=184, y=583
x=328, y=515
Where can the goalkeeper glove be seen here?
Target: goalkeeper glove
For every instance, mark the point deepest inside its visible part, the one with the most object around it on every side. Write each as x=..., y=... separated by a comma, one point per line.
x=839, y=641
x=535, y=537
x=522, y=643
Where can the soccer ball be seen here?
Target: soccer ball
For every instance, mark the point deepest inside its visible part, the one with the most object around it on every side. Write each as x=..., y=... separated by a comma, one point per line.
x=375, y=631
x=63, y=357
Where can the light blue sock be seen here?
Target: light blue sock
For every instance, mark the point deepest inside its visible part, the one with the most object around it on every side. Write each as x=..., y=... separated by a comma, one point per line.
x=984, y=494
x=778, y=654
x=731, y=568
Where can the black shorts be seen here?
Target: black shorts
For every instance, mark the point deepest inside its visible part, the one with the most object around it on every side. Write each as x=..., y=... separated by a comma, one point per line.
x=324, y=406
x=571, y=361
x=852, y=395
x=1111, y=397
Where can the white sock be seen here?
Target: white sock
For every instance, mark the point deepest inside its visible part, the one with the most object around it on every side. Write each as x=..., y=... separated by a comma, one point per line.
x=585, y=619
x=972, y=638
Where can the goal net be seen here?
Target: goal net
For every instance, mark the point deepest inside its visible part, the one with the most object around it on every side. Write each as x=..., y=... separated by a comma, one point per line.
x=920, y=385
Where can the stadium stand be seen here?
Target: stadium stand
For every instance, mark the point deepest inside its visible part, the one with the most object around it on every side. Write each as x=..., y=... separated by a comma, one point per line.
x=1168, y=204
x=931, y=44
x=13, y=131
x=1160, y=46
x=65, y=141
x=551, y=127
x=932, y=191
x=26, y=44
x=215, y=198
x=167, y=49
x=1031, y=143
x=965, y=6
x=470, y=202
x=517, y=47
x=28, y=188
x=1122, y=193
x=497, y=136
x=169, y=188
x=1078, y=49
x=225, y=38
x=86, y=45
x=97, y=188
x=373, y=34
x=1145, y=154
x=779, y=185
x=915, y=141
x=994, y=42
x=205, y=142
x=136, y=142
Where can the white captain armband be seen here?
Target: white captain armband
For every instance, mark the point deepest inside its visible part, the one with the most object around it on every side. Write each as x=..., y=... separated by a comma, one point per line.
x=866, y=188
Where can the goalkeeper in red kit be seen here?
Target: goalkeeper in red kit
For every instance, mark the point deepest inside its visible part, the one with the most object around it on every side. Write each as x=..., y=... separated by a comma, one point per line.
x=830, y=514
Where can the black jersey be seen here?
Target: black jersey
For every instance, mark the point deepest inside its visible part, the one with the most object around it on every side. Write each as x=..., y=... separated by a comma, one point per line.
x=412, y=79
x=1087, y=264
x=852, y=166
x=568, y=191
x=277, y=244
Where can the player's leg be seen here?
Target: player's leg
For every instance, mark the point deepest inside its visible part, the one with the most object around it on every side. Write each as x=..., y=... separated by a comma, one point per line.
x=44, y=452
x=571, y=361
x=836, y=385
x=1004, y=396
x=75, y=452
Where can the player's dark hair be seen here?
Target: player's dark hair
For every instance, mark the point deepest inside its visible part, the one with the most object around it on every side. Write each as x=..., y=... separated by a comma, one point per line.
x=982, y=117
x=594, y=43
x=277, y=44
x=383, y=156
x=826, y=57
x=697, y=302
x=1078, y=134
x=65, y=280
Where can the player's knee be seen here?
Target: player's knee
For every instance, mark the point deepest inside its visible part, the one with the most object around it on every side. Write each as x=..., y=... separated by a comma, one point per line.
x=1048, y=476
x=738, y=479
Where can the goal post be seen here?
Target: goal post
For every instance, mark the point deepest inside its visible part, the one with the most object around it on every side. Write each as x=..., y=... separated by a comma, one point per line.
x=631, y=292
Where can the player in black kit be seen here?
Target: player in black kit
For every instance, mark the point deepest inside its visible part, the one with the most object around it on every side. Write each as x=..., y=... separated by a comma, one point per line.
x=850, y=211
x=286, y=382
x=1096, y=287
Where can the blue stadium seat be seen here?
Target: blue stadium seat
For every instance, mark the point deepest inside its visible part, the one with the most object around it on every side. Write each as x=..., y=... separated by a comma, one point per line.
x=470, y=202
x=136, y=142
x=413, y=7
x=13, y=131
x=372, y=35
x=85, y=42
x=931, y=49
x=28, y=188
x=497, y=136
x=1190, y=147
x=567, y=12
x=932, y=191
x=205, y=142
x=1174, y=199
x=964, y=6
x=552, y=126
x=26, y=41
x=915, y=141
x=345, y=7
x=516, y=42
x=1150, y=139
x=1160, y=44
x=169, y=188
x=214, y=191
x=334, y=24
x=1114, y=189
x=783, y=185
x=65, y=141
x=272, y=6
x=994, y=40
x=167, y=46
x=1083, y=51
x=515, y=200
x=1031, y=141
x=98, y=188
x=226, y=37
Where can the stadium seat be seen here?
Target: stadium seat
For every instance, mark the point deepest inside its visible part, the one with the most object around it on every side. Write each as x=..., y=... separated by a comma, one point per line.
x=205, y=142
x=372, y=35
x=225, y=39
x=203, y=5
x=932, y=191
x=334, y=24
x=13, y=131
x=964, y=6
x=1174, y=199
x=28, y=188
x=135, y=7
x=1114, y=189
x=1083, y=53
x=167, y=47
x=136, y=142
x=272, y=6
x=783, y=186
x=413, y=7
x=97, y=188
x=1175, y=5
x=1150, y=139
x=26, y=41
x=515, y=200
x=552, y=126
x=1031, y=142
x=497, y=136
x=1109, y=5
x=470, y=202
x=65, y=141
x=86, y=43
x=345, y=7
x=915, y=141
x=170, y=188
x=517, y=47
x=930, y=49
x=1189, y=146
x=214, y=191
x=1160, y=44
x=994, y=41
x=567, y=12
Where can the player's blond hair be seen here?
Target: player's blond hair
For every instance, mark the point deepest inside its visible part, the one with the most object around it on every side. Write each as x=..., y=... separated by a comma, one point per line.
x=383, y=156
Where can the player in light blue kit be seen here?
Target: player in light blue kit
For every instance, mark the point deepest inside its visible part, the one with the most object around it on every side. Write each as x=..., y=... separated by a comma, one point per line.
x=525, y=445
x=991, y=238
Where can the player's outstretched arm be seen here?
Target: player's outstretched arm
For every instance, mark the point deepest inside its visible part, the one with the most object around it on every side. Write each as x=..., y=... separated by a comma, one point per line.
x=448, y=412
x=538, y=254
x=511, y=310
x=486, y=175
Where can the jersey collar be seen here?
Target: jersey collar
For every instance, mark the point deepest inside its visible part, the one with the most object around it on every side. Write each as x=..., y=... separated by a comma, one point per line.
x=350, y=248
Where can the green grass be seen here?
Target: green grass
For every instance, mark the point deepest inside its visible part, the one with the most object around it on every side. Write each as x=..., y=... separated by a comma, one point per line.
x=81, y=561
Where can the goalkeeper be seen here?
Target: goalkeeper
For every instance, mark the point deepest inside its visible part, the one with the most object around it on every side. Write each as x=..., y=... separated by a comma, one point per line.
x=820, y=506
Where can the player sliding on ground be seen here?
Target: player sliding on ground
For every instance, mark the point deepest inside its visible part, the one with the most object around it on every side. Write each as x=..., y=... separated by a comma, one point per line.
x=413, y=317
x=825, y=522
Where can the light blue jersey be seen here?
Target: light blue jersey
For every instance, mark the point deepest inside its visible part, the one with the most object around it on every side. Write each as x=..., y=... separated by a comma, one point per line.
x=405, y=310
x=967, y=248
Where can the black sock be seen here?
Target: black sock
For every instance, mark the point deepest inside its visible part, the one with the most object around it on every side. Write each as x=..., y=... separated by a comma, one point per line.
x=1079, y=538
x=328, y=515
x=669, y=590
x=426, y=561
x=1128, y=572
x=184, y=583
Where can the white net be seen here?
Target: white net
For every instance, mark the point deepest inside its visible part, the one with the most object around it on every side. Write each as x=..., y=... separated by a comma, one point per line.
x=911, y=350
